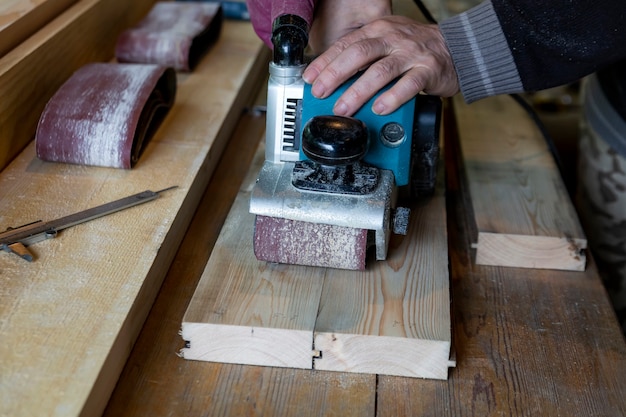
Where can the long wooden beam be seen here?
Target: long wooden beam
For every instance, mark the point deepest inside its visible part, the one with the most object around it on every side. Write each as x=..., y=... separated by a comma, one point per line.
x=393, y=318
x=21, y=18
x=523, y=214
x=69, y=319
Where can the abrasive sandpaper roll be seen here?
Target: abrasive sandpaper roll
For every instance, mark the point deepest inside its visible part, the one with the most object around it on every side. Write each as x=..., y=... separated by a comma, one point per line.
x=295, y=242
x=105, y=114
x=173, y=34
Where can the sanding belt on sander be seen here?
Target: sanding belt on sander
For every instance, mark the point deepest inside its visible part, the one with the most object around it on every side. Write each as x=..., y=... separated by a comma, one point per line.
x=313, y=244
x=105, y=114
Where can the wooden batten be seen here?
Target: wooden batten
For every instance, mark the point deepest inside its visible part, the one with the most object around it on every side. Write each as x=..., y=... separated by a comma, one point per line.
x=71, y=316
x=21, y=18
x=393, y=318
x=523, y=213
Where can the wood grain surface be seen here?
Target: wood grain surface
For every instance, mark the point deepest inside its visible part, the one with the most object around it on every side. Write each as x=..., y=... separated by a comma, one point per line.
x=247, y=313
x=523, y=213
x=21, y=18
x=77, y=309
x=527, y=341
x=392, y=318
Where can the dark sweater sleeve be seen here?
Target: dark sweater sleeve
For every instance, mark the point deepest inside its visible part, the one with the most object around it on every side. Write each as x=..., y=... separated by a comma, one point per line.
x=482, y=58
x=548, y=43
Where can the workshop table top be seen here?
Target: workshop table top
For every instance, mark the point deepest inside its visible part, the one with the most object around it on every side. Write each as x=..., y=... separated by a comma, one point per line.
x=527, y=341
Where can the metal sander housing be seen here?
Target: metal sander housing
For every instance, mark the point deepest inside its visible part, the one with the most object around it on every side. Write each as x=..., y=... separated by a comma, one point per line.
x=328, y=189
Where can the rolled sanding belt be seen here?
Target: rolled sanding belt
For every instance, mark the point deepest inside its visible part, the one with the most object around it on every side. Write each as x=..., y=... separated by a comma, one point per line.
x=173, y=34
x=313, y=244
x=105, y=114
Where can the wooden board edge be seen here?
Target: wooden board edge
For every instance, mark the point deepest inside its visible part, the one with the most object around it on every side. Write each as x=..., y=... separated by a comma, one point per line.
x=510, y=249
x=27, y=24
x=540, y=252
x=383, y=355
x=247, y=345
x=456, y=172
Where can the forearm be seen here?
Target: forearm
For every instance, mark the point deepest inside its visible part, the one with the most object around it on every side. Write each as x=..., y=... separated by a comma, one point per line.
x=507, y=47
x=560, y=41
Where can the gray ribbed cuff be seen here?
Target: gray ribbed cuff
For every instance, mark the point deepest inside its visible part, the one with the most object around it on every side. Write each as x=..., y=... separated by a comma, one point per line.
x=482, y=57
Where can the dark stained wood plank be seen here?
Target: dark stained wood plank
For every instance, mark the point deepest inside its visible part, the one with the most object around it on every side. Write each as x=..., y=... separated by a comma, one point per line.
x=528, y=342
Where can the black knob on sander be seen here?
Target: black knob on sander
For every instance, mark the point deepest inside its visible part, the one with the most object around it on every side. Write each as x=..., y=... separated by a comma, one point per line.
x=334, y=140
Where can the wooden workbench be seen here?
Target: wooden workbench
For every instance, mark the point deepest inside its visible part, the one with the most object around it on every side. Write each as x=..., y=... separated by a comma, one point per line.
x=528, y=341
x=68, y=319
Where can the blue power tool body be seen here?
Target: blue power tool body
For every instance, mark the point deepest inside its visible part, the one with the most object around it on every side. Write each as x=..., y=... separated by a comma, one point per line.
x=329, y=179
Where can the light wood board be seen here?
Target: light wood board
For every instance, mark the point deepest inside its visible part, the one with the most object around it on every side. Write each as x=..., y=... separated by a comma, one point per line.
x=68, y=320
x=213, y=389
x=521, y=207
x=21, y=18
x=393, y=318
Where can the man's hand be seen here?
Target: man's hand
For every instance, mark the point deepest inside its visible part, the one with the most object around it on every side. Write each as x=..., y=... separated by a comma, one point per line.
x=387, y=48
x=335, y=18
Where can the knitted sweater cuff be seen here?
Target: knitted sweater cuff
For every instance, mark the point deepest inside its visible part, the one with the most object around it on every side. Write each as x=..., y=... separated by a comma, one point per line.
x=482, y=57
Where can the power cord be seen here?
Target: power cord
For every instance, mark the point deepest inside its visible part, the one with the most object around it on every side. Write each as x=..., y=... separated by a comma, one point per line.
x=424, y=10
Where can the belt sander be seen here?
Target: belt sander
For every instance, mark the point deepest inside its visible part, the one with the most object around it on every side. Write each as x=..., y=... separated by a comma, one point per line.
x=329, y=188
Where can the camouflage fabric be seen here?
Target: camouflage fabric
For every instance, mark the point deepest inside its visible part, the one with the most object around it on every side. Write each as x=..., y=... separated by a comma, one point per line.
x=601, y=195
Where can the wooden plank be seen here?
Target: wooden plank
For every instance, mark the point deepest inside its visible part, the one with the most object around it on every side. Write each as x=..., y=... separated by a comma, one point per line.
x=523, y=213
x=393, y=318
x=32, y=72
x=514, y=328
x=155, y=382
x=250, y=312
x=76, y=311
x=21, y=18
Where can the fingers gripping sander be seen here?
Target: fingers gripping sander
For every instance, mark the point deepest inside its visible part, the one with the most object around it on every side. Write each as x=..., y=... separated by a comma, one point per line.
x=328, y=189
